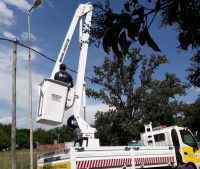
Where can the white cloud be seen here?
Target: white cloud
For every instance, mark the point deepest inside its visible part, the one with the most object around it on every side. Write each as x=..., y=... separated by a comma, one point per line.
x=6, y=15
x=198, y=90
x=91, y=111
x=22, y=121
x=8, y=35
x=22, y=80
x=24, y=36
x=6, y=120
x=20, y=4
x=22, y=77
x=50, y=3
x=19, y=121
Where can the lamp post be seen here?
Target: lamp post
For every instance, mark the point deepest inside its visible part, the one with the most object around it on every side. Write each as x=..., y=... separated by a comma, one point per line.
x=35, y=4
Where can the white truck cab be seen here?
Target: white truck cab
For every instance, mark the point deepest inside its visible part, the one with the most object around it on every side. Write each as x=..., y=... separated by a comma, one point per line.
x=184, y=142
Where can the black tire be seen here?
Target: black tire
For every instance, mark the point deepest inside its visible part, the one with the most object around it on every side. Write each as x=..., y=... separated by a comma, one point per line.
x=189, y=167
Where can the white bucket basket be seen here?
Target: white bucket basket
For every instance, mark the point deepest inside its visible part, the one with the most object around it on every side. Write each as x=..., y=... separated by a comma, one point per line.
x=52, y=100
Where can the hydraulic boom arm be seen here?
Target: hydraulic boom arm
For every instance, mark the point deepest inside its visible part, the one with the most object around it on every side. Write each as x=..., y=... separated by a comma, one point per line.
x=51, y=93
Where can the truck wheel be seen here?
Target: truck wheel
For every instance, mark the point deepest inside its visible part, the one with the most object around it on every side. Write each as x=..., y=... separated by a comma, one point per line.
x=189, y=167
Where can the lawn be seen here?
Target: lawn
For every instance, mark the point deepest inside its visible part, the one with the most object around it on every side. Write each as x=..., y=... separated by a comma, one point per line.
x=23, y=158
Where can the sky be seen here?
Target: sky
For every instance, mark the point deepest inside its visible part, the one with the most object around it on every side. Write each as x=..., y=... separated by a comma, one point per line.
x=49, y=25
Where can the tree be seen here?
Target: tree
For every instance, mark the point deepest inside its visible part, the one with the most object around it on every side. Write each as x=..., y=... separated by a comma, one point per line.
x=133, y=100
x=6, y=128
x=42, y=136
x=4, y=140
x=67, y=134
x=191, y=115
x=194, y=70
x=132, y=24
x=63, y=133
x=22, y=140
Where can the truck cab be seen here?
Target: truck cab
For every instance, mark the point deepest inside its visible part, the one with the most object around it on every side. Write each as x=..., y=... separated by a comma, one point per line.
x=186, y=147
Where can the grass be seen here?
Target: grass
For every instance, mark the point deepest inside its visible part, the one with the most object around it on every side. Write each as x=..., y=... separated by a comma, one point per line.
x=23, y=158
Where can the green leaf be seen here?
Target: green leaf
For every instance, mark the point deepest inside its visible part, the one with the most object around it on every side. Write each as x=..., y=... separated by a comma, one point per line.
x=127, y=7
x=124, y=19
x=109, y=19
x=141, y=13
x=115, y=50
x=197, y=82
x=124, y=16
x=135, y=1
x=133, y=29
x=150, y=41
x=106, y=48
x=135, y=12
x=158, y=5
x=141, y=38
x=198, y=59
x=115, y=31
x=197, y=72
x=107, y=41
x=123, y=43
x=111, y=39
x=181, y=37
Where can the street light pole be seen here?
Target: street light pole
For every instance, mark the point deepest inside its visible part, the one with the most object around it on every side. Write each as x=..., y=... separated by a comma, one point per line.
x=35, y=4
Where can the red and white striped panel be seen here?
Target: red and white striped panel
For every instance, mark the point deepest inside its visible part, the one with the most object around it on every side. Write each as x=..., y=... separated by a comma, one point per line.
x=121, y=162
x=56, y=152
x=153, y=160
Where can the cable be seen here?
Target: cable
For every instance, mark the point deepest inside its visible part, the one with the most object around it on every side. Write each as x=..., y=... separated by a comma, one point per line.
x=67, y=67
x=21, y=44
x=35, y=51
x=7, y=40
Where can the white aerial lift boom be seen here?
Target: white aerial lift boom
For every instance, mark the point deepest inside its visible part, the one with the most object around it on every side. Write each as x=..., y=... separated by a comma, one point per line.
x=56, y=97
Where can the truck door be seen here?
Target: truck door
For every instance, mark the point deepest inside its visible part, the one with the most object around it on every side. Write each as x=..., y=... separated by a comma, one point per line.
x=176, y=144
x=190, y=148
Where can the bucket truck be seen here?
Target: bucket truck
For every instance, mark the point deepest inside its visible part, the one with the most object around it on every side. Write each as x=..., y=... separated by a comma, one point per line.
x=162, y=147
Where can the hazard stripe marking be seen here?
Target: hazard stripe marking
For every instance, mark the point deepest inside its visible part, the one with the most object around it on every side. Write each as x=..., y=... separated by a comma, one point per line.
x=122, y=161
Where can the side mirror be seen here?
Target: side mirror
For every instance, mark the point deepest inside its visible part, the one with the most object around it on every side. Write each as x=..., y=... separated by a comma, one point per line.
x=195, y=149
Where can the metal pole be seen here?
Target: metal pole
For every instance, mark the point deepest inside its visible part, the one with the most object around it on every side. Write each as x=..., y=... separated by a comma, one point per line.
x=13, y=135
x=35, y=4
x=30, y=92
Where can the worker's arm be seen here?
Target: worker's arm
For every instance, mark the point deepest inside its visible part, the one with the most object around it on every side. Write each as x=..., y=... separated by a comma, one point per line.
x=55, y=76
x=72, y=84
x=71, y=81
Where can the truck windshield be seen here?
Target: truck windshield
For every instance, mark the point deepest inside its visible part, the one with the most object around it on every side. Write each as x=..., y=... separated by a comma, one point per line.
x=187, y=138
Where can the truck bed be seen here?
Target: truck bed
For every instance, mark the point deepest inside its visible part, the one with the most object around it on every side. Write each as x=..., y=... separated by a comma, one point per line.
x=108, y=157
